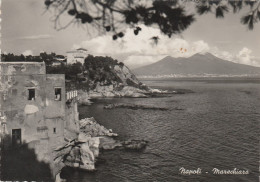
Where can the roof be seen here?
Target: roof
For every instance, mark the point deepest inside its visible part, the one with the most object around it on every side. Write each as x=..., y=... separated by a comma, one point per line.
x=21, y=62
x=82, y=49
x=79, y=49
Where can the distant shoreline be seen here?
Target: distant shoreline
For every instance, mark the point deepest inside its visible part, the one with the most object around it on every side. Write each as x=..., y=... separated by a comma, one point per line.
x=255, y=77
x=205, y=79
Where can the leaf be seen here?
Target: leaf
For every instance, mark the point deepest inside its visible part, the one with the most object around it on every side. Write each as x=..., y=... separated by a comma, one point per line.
x=155, y=39
x=47, y=2
x=245, y=19
x=138, y=28
x=251, y=24
x=237, y=5
x=108, y=28
x=258, y=14
x=249, y=20
x=86, y=18
x=250, y=3
x=136, y=32
x=131, y=16
x=121, y=34
x=114, y=37
x=220, y=11
x=72, y=12
x=202, y=9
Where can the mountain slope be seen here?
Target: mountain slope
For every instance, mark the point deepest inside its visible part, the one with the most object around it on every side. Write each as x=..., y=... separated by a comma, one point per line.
x=197, y=64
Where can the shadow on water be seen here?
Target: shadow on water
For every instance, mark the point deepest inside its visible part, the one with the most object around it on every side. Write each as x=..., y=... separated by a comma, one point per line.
x=20, y=163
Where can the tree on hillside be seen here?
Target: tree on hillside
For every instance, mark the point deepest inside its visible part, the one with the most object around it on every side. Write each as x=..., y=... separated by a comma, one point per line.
x=48, y=58
x=168, y=15
x=10, y=57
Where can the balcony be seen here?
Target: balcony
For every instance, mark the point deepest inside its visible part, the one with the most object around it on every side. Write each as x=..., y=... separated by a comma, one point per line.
x=71, y=95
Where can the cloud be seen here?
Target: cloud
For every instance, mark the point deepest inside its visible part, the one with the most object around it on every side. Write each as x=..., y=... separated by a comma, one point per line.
x=136, y=51
x=139, y=60
x=34, y=37
x=140, y=50
x=222, y=54
x=244, y=56
x=28, y=52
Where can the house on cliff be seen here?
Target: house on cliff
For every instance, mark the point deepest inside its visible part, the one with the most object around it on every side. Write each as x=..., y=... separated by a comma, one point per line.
x=35, y=107
x=77, y=55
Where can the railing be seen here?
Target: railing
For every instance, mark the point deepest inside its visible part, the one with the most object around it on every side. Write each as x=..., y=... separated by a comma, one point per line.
x=71, y=94
x=2, y=123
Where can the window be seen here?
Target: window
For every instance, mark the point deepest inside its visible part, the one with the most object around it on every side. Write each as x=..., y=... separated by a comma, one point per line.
x=57, y=93
x=54, y=130
x=31, y=95
x=14, y=92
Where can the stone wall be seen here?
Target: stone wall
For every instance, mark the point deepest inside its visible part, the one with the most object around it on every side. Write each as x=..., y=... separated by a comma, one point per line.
x=72, y=119
x=46, y=118
x=36, y=117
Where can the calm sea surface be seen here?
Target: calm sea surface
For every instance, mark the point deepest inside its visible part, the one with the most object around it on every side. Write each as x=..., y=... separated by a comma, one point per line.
x=215, y=126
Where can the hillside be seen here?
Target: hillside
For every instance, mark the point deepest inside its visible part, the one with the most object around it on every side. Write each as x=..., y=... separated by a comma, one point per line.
x=101, y=77
x=198, y=64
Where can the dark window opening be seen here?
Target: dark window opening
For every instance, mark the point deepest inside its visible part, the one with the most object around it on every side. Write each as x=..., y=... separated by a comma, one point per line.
x=31, y=95
x=54, y=130
x=16, y=137
x=57, y=93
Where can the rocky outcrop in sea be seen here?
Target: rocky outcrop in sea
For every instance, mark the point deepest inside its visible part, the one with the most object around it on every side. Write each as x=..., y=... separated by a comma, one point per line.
x=82, y=152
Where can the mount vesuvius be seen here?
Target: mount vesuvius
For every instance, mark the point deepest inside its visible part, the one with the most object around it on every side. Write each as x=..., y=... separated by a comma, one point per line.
x=198, y=64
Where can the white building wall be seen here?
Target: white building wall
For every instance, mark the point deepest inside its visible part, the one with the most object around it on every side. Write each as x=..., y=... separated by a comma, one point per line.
x=76, y=56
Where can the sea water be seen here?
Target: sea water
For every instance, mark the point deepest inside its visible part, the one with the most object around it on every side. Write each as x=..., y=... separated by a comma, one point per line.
x=213, y=125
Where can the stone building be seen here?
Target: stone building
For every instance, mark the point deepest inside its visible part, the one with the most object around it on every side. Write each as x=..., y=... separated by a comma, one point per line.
x=77, y=55
x=34, y=107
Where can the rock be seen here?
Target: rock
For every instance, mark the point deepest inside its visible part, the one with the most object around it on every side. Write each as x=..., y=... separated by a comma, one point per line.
x=87, y=157
x=128, y=91
x=109, y=106
x=83, y=137
x=84, y=101
x=133, y=106
x=108, y=143
x=91, y=127
x=109, y=94
x=135, y=144
x=94, y=143
x=93, y=94
x=83, y=98
x=82, y=151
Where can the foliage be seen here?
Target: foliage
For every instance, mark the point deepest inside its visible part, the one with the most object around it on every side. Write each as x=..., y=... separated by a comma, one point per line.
x=49, y=59
x=221, y=7
x=96, y=69
x=71, y=71
x=101, y=69
x=10, y=57
x=115, y=15
x=168, y=15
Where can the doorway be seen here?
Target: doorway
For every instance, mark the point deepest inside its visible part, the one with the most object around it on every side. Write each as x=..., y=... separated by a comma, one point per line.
x=16, y=137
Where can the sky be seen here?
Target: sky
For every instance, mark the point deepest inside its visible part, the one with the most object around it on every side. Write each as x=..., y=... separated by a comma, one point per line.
x=26, y=29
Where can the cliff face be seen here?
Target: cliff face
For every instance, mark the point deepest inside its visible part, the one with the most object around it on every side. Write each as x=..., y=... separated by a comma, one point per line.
x=81, y=152
x=105, y=77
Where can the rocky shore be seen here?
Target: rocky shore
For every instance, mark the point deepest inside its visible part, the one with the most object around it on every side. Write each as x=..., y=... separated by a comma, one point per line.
x=126, y=92
x=133, y=106
x=82, y=152
x=110, y=91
